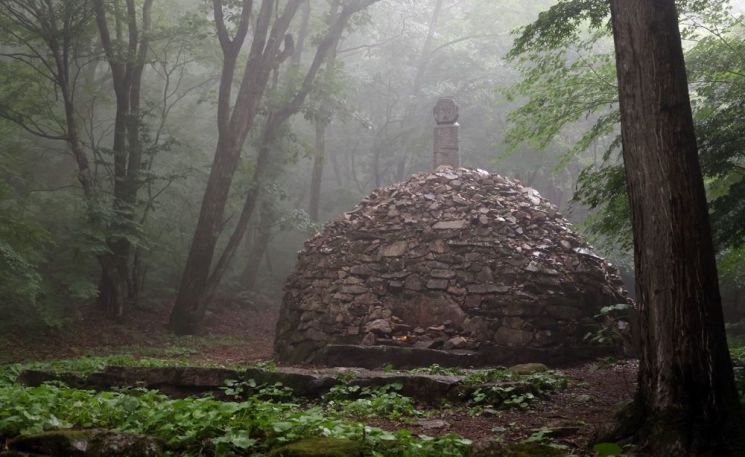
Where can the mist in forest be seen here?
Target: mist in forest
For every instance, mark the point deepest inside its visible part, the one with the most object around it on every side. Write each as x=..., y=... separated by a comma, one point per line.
x=372, y=227
x=111, y=118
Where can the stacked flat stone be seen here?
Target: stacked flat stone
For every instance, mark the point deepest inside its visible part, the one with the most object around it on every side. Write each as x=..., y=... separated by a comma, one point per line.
x=454, y=259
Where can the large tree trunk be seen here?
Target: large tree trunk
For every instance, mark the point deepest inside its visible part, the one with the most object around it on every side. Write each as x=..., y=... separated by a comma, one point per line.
x=686, y=404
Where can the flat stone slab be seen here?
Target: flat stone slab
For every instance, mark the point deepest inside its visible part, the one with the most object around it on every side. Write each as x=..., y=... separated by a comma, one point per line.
x=403, y=357
x=371, y=357
x=173, y=381
x=186, y=381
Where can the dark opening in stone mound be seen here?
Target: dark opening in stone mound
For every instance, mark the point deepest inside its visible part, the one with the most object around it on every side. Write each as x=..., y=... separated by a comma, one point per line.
x=458, y=259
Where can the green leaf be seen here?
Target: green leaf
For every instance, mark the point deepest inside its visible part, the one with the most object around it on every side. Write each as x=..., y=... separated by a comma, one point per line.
x=607, y=449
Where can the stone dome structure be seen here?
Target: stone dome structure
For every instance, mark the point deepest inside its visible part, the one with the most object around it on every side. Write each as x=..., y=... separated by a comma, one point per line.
x=453, y=263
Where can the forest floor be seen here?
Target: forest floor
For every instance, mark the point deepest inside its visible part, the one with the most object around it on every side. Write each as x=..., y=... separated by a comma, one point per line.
x=235, y=334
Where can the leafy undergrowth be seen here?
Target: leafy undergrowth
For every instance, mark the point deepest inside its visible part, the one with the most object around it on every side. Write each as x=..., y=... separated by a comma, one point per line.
x=384, y=401
x=198, y=426
x=87, y=365
x=500, y=388
x=261, y=417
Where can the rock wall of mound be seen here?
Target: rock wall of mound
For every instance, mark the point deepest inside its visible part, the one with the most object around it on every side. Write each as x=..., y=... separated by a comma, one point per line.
x=455, y=259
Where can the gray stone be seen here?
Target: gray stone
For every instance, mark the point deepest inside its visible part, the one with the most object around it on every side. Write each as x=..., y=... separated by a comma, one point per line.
x=396, y=249
x=485, y=275
x=369, y=339
x=413, y=282
x=437, y=284
x=354, y=290
x=457, y=342
x=442, y=274
x=380, y=326
x=395, y=285
x=433, y=424
x=361, y=270
x=486, y=289
x=450, y=225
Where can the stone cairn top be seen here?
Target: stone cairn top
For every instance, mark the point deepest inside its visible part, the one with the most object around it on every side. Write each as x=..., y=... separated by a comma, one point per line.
x=456, y=259
x=445, y=146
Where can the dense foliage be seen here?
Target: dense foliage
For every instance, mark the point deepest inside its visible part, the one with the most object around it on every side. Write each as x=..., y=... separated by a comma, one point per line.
x=188, y=425
x=566, y=58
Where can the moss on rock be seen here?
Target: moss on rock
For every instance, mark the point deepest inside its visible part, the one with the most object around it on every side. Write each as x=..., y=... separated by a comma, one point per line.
x=495, y=449
x=320, y=447
x=529, y=368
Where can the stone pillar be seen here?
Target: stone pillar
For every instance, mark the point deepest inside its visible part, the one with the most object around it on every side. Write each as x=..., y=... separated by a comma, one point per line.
x=446, y=133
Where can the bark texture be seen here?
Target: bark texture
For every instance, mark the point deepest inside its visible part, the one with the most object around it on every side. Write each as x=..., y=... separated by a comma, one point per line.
x=687, y=404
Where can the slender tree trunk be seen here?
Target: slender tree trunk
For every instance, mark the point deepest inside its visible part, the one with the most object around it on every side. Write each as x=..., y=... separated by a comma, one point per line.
x=322, y=121
x=339, y=178
x=114, y=282
x=686, y=404
x=117, y=286
x=302, y=36
x=319, y=160
x=259, y=245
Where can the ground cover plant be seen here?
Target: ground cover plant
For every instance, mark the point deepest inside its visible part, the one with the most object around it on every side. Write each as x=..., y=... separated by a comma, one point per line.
x=262, y=417
x=256, y=419
x=202, y=426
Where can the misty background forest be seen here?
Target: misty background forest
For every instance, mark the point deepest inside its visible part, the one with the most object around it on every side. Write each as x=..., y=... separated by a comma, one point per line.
x=162, y=163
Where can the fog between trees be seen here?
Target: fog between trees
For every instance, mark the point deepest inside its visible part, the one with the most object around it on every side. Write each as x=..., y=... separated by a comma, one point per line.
x=366, y=121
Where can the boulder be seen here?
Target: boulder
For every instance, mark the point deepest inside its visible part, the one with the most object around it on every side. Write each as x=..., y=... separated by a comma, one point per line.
x=87, y=443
